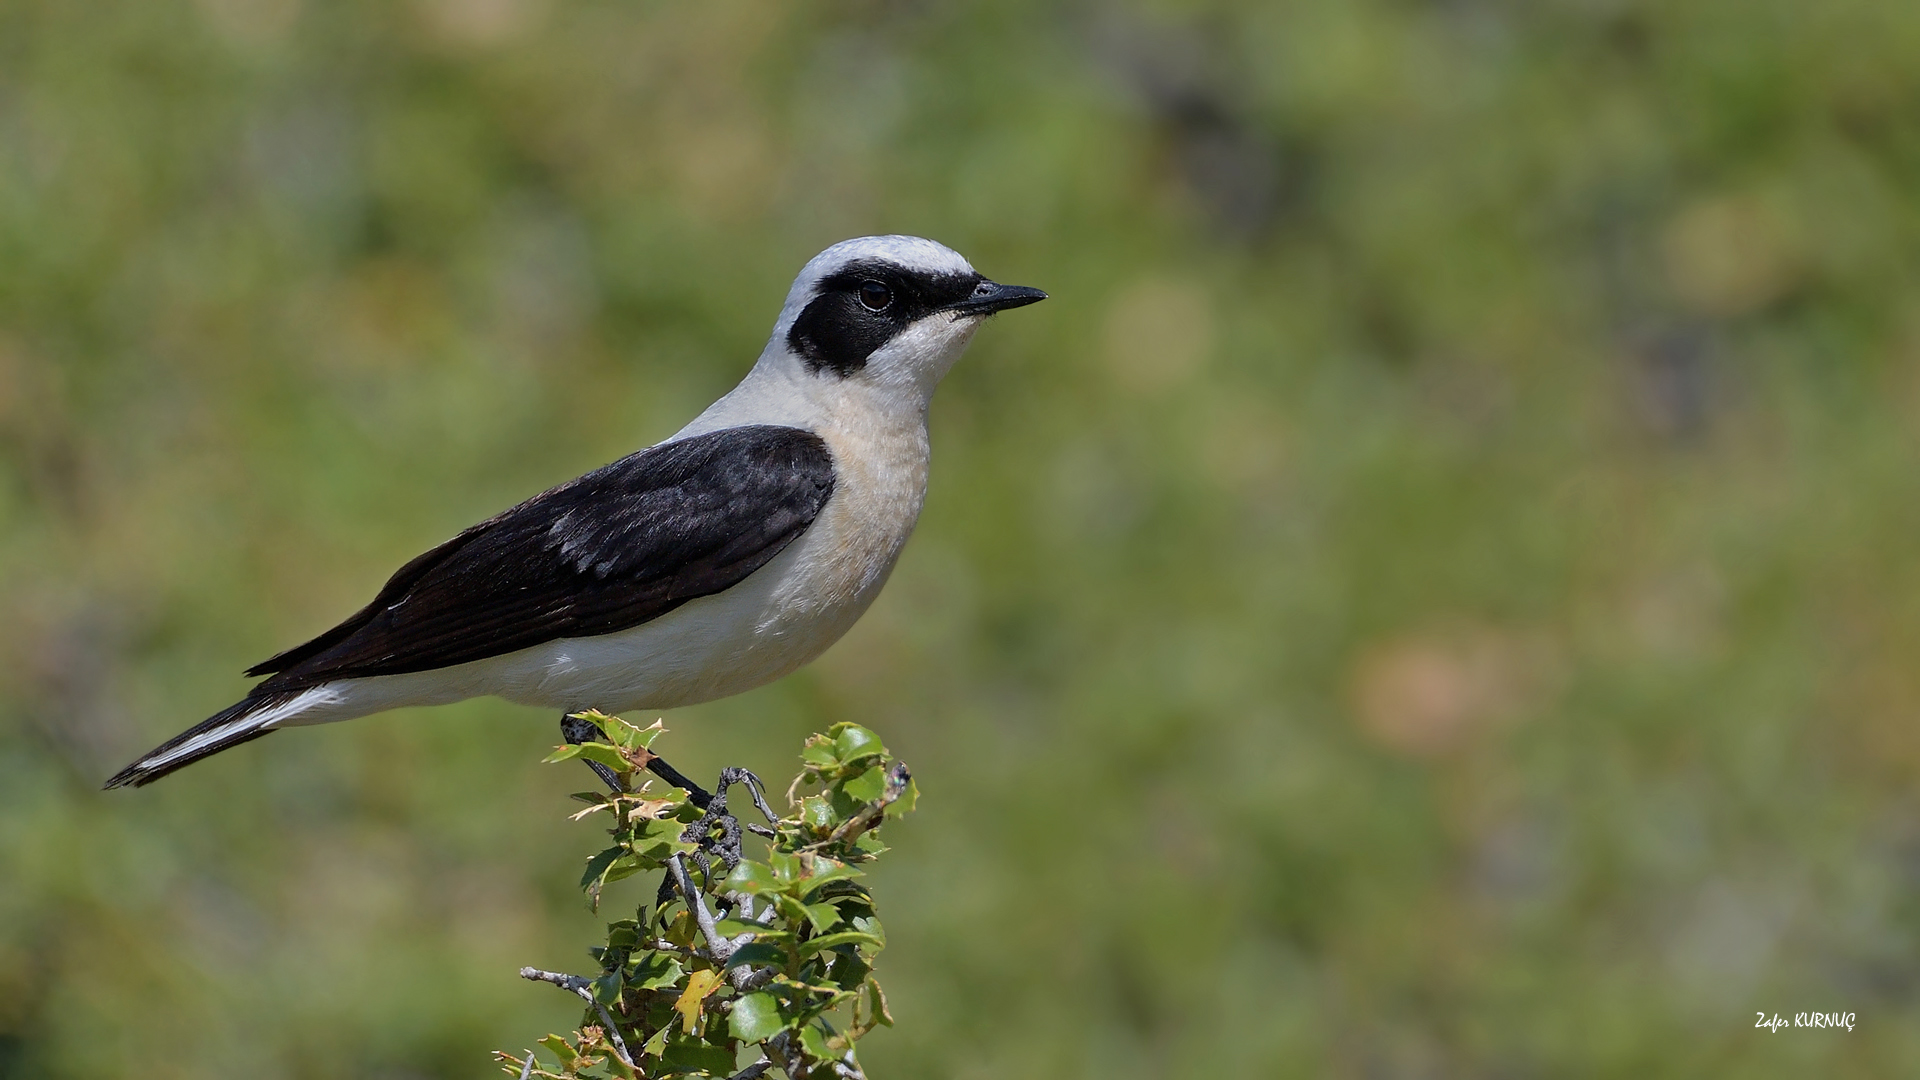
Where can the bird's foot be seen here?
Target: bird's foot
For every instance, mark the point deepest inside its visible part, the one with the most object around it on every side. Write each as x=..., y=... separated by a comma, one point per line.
x=717, y=831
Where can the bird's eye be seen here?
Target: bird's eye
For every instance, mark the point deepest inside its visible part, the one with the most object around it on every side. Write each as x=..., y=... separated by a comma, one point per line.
x=875, y=296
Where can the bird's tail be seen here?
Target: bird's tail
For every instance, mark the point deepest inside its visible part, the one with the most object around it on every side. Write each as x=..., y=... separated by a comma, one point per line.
x=231, y=726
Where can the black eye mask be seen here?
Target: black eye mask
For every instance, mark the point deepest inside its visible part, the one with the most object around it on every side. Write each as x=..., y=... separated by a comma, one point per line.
x=862, y=306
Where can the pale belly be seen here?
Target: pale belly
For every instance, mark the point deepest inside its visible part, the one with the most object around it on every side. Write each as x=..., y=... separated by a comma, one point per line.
x=775, y=622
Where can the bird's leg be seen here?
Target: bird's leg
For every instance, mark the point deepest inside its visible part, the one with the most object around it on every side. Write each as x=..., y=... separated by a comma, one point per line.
x=577, y=730
x=714, y=816
x=712, y=804
x=757, y=790
x=696, y=794
x=717, y=818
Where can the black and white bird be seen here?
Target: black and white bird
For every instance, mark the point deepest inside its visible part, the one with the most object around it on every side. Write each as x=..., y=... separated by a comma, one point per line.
x=716, y=561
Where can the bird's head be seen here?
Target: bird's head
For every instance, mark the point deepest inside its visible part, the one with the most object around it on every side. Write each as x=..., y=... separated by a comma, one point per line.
x=892, y=311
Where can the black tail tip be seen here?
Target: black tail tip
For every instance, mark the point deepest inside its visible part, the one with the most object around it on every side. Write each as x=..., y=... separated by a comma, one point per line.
x=131, y=776
x=231, y=728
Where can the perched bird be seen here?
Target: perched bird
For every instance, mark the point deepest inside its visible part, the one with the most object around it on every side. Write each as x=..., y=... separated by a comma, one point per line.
x=716, y=561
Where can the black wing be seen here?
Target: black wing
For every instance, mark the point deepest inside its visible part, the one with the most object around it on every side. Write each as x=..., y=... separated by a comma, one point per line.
x=613, y=549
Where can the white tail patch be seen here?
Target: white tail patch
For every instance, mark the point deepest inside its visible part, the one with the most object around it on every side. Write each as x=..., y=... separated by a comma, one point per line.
x=264, y=720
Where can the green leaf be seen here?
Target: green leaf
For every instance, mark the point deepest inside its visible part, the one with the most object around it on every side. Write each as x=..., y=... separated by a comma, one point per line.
x=661, y=828
x=597, y=866
x=606, y=989
x=625, y=867
x=620, y=733
x=845, y=937
x=752, y=878
x=785, y=867
x=851, y=742
x=844, y=805
x=624, y=734
x=819, y=751
x=822, y=916
x=692, y=1055
x=654, y=853
x=867, y=924
x=655, y=845
x=790, y=909
x=825, y=872
x=760, y=932
x=878, y=1000
x=680, y=928
x=593, y=716
x=816, y=813
x=814, y=1042
x=868, y=786
x=657, y=971
x=850, y=972
x=757, y=954
x=562, y=1048
x=756, y=1017
x=605, y=754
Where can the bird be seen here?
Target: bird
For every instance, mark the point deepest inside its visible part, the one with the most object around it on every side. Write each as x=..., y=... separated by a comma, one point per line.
x=728, y=555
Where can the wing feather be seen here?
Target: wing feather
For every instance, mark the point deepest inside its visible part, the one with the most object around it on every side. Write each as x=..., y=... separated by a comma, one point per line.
x=617, y=547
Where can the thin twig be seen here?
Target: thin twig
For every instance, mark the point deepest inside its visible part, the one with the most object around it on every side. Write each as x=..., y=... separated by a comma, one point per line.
x=613, y=1032
x=720, y=948
x=527, y=1069
x=780, y=1048
x=583, y=986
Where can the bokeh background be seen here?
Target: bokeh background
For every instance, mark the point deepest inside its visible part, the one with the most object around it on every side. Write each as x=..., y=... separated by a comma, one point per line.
x=1436, y=592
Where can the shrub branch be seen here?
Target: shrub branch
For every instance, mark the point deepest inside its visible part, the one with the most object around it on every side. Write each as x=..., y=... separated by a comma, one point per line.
x=773, y=955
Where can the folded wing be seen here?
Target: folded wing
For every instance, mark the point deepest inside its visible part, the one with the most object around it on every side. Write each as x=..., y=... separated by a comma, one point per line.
x=613, y=549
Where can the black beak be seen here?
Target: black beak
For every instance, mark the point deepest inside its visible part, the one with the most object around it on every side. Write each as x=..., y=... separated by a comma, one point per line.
x=991, y=296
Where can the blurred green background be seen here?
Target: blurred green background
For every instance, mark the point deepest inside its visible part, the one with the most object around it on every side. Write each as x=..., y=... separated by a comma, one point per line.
x=1436, y=592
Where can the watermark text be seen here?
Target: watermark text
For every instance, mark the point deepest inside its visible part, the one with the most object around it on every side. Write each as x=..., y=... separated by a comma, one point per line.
x=1805, y=1020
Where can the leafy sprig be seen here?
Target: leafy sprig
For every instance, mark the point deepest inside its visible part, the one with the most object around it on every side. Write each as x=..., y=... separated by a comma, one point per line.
x=773, y=955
